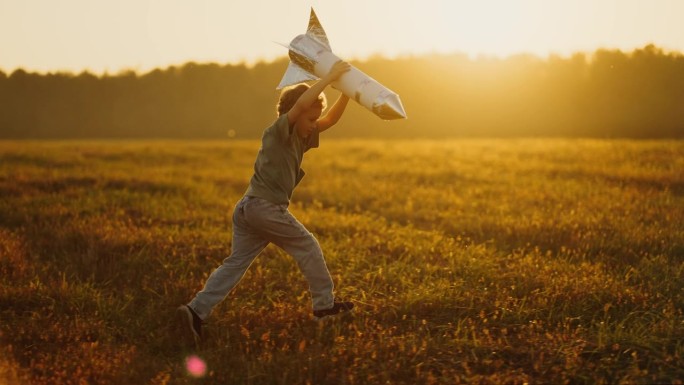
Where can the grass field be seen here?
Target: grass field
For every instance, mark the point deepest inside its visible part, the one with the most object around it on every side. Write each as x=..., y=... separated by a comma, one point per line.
x=472, y=261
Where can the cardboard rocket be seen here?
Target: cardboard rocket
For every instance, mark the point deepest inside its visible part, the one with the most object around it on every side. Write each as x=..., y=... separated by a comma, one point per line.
x=311, y=58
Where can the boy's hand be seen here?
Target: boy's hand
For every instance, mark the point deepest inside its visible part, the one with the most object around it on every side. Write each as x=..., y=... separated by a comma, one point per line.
x=338, y=69
x=310, y=95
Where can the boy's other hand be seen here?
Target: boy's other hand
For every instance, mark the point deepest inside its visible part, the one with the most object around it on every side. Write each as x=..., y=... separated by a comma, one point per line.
x=338, y=69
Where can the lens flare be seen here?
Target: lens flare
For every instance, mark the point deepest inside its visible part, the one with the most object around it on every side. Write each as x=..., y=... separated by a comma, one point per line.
x=195, y=366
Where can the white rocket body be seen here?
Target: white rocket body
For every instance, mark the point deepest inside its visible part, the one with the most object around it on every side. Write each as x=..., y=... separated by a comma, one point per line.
x=312, y=58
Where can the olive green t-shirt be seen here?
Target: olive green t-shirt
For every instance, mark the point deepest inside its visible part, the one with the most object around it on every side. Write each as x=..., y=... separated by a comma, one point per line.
x=277, y=169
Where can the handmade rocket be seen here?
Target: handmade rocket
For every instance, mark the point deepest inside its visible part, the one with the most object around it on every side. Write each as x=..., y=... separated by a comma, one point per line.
x=311, y=58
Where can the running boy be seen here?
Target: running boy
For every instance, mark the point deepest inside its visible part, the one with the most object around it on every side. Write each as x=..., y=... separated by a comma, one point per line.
x=261, y=216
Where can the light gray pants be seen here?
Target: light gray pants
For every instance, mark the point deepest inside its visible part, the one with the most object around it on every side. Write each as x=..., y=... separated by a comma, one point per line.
x=256, y=223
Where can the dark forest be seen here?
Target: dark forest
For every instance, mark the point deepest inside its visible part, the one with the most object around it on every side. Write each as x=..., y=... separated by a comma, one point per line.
x=604, y=94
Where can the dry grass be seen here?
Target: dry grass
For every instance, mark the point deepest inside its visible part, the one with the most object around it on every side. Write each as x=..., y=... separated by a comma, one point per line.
x=476, y=261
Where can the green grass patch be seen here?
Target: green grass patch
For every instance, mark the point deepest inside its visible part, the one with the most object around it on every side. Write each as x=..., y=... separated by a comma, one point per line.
x=470, y=261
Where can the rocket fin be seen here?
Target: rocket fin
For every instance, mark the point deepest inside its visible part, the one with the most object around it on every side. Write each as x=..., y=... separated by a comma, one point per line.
x=316, y=30
x=298, y=71
x=293, y=75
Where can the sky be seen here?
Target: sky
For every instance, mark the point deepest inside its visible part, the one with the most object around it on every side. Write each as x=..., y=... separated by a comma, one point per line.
x=116, y=35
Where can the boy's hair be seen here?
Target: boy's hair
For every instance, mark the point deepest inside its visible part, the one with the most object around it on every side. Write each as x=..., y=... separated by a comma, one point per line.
x=289, y=96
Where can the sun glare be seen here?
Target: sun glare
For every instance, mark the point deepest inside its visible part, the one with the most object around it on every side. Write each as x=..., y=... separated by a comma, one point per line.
x=195, y=366
x=111, y=36
x=481, y=27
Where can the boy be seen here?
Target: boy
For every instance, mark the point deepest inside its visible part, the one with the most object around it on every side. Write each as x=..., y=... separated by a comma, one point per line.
x=261, y=216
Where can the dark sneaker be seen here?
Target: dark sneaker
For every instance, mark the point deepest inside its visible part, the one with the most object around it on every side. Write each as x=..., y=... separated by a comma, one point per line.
x=337, y=308
x=191, y=324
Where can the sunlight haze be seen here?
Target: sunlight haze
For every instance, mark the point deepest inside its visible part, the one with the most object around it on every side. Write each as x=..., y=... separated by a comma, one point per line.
x=99, y=36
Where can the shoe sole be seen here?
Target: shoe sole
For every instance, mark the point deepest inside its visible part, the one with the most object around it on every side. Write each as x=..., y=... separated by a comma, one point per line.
x=185, y=320
x=342, y=313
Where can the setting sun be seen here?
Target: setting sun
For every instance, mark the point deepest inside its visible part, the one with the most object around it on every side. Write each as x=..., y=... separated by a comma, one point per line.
x=488, y=28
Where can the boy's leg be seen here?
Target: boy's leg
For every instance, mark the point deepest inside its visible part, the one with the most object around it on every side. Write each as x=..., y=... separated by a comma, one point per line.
x=247, y=244
x=279, y=226
x=309, y=257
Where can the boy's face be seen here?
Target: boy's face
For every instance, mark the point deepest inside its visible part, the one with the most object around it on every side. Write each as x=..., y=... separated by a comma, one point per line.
x=306, y=122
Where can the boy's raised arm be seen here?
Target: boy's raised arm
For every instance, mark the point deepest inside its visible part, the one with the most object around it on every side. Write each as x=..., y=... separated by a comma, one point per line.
x=334, y=113
x=311, y=95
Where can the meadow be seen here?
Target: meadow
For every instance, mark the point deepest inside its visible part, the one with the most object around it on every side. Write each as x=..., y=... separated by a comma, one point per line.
x=541, y=261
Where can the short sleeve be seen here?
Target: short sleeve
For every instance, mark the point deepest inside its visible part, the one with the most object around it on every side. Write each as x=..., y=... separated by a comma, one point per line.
x=312, y=141
x=281, y=128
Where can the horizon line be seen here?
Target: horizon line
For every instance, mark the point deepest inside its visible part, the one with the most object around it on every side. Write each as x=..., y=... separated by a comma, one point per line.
x=373, y=56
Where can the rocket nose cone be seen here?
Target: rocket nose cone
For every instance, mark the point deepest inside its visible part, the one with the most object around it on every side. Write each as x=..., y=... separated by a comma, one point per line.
x=390, y=108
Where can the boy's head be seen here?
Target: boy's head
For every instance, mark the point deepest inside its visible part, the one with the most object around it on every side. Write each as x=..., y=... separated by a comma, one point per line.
x=289, y=96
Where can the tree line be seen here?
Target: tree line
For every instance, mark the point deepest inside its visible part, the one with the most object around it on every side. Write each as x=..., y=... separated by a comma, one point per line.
x=608, y=93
